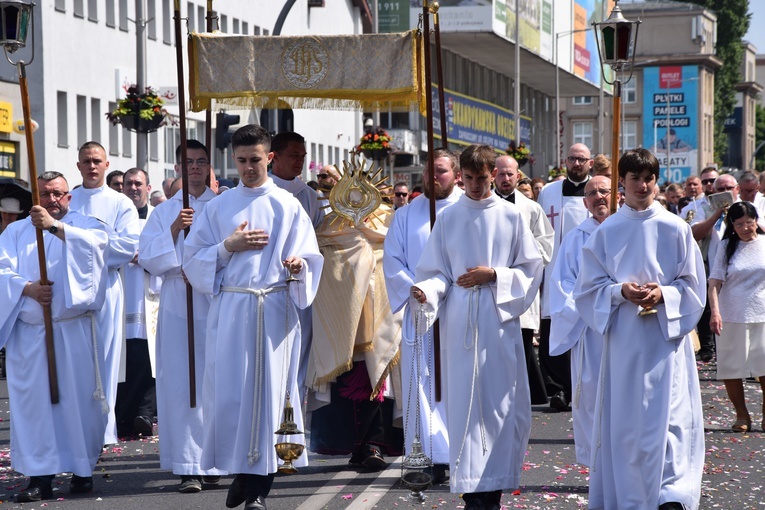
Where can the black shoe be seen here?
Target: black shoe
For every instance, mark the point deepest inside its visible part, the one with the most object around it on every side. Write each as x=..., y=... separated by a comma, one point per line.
x=439, y=474
x=237, y=493
x=559, y=402
x=705, y=356
x=475, y=501
x=259, y=503
x=143, y=425
x=672, y=506
x=80, y=484
x=190, y=484
x=37, y=490
x=374, y=459
x=210, y=480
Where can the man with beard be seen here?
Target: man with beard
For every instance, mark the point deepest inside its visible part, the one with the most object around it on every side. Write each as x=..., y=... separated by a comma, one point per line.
x=533, y=215
x=48, y=439
x=404, y=243
x=568, y=332
x=562, y=203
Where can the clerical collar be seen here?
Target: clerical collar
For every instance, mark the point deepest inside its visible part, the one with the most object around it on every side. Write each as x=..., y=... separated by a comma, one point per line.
x=509, y=198
x=143, y=212
x=574, y=189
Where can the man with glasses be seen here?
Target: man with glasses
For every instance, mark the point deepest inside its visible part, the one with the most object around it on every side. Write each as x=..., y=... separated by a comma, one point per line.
x=708, y=227
x=568, y=332
x=95, y=198
x=161, y=254
x=700, y=205
x=67, y=437
x=327, y=177
x=562, y=203
x=400, y=195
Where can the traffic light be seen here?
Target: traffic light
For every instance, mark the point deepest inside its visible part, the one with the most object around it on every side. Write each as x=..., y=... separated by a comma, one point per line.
x=222, y=135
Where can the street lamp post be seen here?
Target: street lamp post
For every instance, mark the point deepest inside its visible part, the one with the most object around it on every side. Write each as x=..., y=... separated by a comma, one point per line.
x=16, y=20
x=557, y=150
x=618, y=51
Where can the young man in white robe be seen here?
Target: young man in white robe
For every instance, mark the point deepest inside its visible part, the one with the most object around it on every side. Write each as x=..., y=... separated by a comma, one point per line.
x=95, y=198
x=160, y=252
x=479, y=272
x=243, y=247
x=46, y=438
x=648, y=441
x=568, y=332
x=562, y=203
x=404, y=243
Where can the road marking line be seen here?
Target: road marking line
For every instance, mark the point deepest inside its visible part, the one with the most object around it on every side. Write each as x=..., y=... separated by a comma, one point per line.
x=325, y=493
x=377, y=489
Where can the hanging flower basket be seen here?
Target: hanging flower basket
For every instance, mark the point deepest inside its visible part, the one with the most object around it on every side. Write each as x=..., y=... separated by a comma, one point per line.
x=375, y=144
x=141, y=112
x=519, y=152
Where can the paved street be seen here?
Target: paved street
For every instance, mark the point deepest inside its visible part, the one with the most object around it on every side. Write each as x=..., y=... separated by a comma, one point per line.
x=128, y=477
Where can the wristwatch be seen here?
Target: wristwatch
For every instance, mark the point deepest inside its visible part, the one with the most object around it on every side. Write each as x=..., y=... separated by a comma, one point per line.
x=54, y=228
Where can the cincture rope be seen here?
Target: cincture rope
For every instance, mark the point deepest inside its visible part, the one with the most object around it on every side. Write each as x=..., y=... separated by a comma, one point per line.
x=254, y=453
x=98, y=394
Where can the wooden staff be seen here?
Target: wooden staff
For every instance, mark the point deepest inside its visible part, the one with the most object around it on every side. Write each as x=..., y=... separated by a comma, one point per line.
x=432, y=179
x=185, y=181
x=615, y=143
x=47, y=317
x=440, y=76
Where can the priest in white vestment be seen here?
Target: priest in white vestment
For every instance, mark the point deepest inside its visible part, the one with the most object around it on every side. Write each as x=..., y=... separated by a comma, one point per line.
x=648, y=441
x=479, y=272
x=404, y=243
x=161, y=254
x=562, y=203
x=46, y=438
x=95, y=198
x=567, y=330
x=241, y=250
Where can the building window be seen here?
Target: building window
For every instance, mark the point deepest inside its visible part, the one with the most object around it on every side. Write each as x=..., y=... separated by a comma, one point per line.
x=172, y=140
x=236, y=26
x=255, y=30
x=582, y=100
x=151, y=15
x=93, y=10
x=110, y=18
x=154, y=146
x=127, y=143
x=224, y=23
x=95, y=119
x=201, y=20
x=629, y=135
x=82, y=120
x=583, y=133
x=629, y=92
x=265, y=31
x=114, y=134
x=79, y=9
x=190, y=14
x=245, y=28
x=63, y=132
x=60, y=5
x=167, y=32
x=123, y=15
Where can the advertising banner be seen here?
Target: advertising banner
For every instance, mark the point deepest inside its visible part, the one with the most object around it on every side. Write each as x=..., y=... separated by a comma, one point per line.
x=670, y=119
x=470, y=121
x=586, y=61
x=457, y=15
x=535, y=26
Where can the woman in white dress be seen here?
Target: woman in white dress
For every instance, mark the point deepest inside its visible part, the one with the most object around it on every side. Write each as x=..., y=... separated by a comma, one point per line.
x=737, y=301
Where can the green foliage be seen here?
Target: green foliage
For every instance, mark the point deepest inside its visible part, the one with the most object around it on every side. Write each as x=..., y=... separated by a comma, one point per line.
x=732, y=24
x=759, y=136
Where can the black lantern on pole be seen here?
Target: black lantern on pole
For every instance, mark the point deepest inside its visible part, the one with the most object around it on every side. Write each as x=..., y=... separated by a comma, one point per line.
x=616, y=48
x=15, y=19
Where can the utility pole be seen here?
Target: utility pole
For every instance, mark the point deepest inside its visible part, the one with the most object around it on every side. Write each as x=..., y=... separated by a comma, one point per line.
x=142, y=139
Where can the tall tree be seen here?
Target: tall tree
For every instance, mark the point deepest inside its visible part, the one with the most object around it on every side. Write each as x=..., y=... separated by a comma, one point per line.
x=732, y=24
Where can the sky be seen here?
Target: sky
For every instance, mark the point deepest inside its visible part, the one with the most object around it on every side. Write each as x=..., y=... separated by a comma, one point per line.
x=756, y=34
